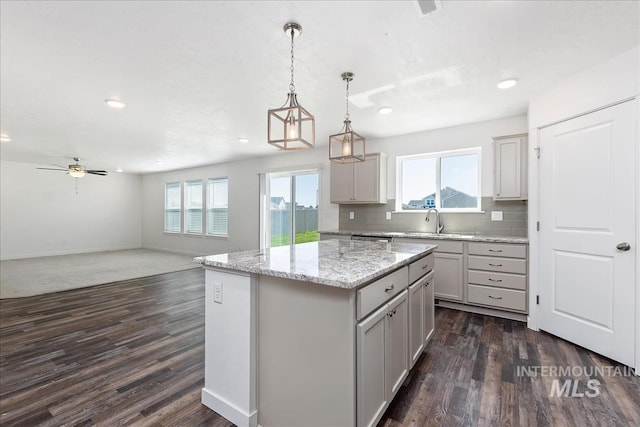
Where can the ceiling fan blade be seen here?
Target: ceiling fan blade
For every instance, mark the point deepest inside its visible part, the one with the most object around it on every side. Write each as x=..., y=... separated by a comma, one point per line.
x=96, y=172
x=52, y=169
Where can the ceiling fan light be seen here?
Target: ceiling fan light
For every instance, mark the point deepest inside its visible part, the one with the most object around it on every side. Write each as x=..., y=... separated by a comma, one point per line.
x=76, y=173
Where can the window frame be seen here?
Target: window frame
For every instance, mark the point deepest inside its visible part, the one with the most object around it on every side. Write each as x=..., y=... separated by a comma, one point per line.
x=184, y=207
x=179, y=186
x=206, y=207
x=438, y=160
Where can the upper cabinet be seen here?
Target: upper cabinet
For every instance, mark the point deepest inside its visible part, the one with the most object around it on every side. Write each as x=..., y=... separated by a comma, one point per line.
x=510, y=161
x=360, y=182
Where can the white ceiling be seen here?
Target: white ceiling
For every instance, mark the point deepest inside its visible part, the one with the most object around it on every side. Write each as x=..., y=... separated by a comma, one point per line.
x=198, y=75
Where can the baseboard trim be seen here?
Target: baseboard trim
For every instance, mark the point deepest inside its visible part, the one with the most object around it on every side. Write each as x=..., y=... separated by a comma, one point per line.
x=482, y=310
x=229, y=411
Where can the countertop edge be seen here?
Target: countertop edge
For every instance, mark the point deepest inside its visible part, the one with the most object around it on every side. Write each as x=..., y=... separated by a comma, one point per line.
x=315, y=280
x=430, y=236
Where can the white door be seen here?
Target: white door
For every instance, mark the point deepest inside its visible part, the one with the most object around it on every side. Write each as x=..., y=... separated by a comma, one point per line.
x=587, y=219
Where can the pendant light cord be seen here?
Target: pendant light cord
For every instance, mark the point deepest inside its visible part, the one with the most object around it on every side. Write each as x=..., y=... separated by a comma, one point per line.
x=292, y=87
x=346, y=116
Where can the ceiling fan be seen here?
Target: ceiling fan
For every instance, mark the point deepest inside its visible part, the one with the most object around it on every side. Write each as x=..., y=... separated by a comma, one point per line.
x=77, y=170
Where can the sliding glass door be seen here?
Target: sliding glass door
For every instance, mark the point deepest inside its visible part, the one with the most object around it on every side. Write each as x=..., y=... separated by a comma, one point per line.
x=291, y=208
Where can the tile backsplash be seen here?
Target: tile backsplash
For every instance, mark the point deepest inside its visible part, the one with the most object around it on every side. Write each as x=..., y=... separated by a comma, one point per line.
x=373, y=218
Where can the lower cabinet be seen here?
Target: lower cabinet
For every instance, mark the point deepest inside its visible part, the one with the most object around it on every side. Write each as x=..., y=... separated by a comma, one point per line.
x=449, y=282
x=382, y=348
x=421, y=316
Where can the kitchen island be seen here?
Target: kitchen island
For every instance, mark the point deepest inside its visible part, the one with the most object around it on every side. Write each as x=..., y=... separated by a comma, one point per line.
x=314, y=334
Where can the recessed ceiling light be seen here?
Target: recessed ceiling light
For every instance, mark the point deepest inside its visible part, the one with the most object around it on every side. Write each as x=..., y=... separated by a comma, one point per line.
x=115, y=103
x=507, y=83
x=4, y=137
x=385, y=110
x=243, y=140
x=159, y=162
x=119, y=170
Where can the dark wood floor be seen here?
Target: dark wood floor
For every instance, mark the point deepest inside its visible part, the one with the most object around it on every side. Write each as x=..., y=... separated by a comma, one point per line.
x=132, y=353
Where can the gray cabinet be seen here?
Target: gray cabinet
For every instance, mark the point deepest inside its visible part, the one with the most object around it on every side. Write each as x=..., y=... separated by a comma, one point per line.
x=421, y=316
x=497, y=276
x=449, y=267
x=360, y=182
x=510, y=168
x=382, y=349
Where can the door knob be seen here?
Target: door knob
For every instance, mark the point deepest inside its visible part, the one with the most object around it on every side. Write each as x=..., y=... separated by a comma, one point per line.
x=624, y=246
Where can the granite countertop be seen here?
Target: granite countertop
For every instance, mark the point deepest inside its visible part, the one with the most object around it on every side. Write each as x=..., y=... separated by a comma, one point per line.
x=431, y=236
x=344, y=264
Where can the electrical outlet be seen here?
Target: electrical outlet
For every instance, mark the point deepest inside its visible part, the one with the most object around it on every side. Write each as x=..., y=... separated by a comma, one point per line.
x=496, y=215
x=352, y=215
x=217, y=292
x=388, y=215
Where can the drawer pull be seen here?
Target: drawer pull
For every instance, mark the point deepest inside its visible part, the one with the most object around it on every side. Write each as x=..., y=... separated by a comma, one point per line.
x=390, y=288
x=492, y=297
x=495, y=280
x=495, y=250
x=495, y=265
x=424, y=267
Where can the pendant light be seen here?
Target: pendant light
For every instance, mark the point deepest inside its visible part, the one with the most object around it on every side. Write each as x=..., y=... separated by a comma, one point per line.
x=346, y=146
x=291, y=127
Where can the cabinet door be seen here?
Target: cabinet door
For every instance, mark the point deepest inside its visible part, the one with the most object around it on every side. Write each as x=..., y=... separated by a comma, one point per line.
x=429, y=307
x=370, y=371
x=448, y=276
x=341, y=183
x=510, y=168
x=416, y=321
x=366, y=180
x=397, y=344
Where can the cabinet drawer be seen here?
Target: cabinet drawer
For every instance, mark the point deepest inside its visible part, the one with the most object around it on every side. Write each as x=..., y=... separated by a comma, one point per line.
x=497, y=249
x=501, y=280
x=419, y=268
x=451, y=246
x=497, y=297
x=505, y=265
x=380, y=291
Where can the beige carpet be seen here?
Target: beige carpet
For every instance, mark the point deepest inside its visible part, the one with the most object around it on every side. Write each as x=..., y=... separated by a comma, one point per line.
x=36, y=276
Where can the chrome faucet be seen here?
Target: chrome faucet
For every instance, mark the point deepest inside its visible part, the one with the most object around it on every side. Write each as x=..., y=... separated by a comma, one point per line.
x=439, y=226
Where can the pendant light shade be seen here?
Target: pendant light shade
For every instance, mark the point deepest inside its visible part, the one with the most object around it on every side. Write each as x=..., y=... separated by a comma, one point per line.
x=291, y=127
x=346, y=146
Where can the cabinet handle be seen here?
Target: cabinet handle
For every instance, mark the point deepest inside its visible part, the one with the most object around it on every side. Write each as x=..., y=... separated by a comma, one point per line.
x=494, y=297
x=495, y=280
x=495, y=250
x=424, y=267
x=495, y=265
x=390, y=288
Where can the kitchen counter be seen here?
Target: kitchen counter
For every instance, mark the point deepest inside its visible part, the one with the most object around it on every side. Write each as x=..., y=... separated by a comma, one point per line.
x=342, y=264
x=331, y=305
x=431, y=236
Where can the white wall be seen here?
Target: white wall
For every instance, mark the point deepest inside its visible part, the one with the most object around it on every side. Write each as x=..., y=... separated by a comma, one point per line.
x=42, y=215
x=244, y=224
x=244, y=192
x=465, y=136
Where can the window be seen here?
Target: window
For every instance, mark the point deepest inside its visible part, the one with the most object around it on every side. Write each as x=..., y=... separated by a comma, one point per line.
x=172, y=205
x=448, y=181
x=290, y=208
x=193, y=207
x=217, y=207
